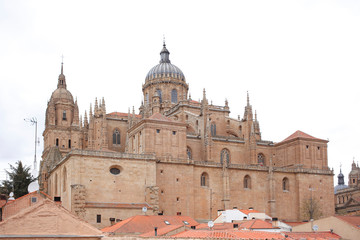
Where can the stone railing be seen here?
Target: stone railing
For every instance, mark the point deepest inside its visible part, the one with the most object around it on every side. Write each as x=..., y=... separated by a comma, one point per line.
x=112, y=154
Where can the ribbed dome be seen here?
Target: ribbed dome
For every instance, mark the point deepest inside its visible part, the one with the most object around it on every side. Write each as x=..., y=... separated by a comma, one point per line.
x=62, y=94
x=165, y=68
x=339, y=187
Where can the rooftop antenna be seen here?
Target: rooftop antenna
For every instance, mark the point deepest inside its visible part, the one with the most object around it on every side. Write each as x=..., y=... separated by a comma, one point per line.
x=33, y=121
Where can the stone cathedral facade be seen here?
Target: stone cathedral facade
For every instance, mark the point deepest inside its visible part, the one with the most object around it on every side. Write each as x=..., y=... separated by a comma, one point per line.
x=175, y=156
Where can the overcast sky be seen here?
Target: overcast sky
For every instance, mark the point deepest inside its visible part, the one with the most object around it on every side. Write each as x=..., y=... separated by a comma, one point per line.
x=299, y=60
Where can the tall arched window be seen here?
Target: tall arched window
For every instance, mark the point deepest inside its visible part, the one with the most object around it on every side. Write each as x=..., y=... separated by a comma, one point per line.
x=204, y=179
x=116, y=137
x=64, y=179
x=146, y=99
x=188, y=153
x=213, y=129
x=174, y=97
x=247, y=182
x=160, y=94
x=261, y=159
x=225, y=156
x=285, y=184
x=56, y=185
x=64, y=115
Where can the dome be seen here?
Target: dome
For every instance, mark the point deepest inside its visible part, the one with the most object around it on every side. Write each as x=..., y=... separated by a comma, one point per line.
x=62, y=94
x=165, y=68
x=339, y=187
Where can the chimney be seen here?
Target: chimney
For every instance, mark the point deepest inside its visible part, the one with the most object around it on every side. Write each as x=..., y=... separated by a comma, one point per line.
x=235, y=225
x=275, y=222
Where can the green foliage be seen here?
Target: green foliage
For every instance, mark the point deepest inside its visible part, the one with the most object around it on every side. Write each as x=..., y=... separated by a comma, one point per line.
x=20, y=178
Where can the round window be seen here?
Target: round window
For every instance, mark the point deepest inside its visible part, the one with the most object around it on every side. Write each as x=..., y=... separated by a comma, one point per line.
x=114, y=170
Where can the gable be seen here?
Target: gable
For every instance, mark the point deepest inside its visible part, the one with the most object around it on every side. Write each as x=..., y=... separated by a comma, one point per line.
x=47, y=218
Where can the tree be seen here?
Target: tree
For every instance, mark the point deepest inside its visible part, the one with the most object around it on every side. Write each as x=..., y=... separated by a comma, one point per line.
x=311, y=209
x=20, y=178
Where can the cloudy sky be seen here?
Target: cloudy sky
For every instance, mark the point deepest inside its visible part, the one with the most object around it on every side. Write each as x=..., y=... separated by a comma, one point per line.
x=299, y=60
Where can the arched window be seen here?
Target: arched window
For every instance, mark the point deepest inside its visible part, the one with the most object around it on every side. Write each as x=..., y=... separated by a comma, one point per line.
x=64, y=115
x=213, y=129
x=64, y=179
x=247, y=182
x=116, y=137
x=56, y=185
x=285, y=184
x=146, y=99
x=261, y=159
x=204, y=179
x=174, y=97
x=225, y=156
x=188, y=153
x=160, y=94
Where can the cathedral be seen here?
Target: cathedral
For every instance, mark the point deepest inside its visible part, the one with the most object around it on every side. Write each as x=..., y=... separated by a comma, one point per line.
x=175, y=156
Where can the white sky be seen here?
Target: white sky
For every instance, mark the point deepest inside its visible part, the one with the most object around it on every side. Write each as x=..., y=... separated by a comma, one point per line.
x=299, y=60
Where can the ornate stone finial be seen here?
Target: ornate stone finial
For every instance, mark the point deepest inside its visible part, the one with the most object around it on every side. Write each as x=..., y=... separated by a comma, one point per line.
x=248, y=98
x=164, y=54
x=90, y=112
x=226, y=102
x=103, y=107
x=85, y=119
x=96, y=106
x=189, y=96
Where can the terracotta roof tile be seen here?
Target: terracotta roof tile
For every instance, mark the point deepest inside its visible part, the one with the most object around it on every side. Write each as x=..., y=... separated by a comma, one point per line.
x=26, y=195
x=120, y=114
x=247, y=211
x=2, y=203
x=161, y=231
x=255, y=224
x=159, y=116
x=299, y=134
x=142, y=224
x=312, y=235
x=248, y=224
x=353, y=220
x=228, y=234
x=293, y=224
x=217, y=226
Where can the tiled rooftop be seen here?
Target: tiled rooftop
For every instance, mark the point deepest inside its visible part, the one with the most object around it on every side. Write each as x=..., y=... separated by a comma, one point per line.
x=299, y=134
x=159, y=116
x=143, y=224
x=353, y=220
x=228, y=234
x=311, y=235
x=120, y=114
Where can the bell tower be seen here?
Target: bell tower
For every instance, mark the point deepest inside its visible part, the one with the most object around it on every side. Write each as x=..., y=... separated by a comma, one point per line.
x=62, y=120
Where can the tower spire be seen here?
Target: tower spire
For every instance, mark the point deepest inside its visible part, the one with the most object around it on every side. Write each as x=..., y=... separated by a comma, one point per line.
x=164, y=54
x=62, y=80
